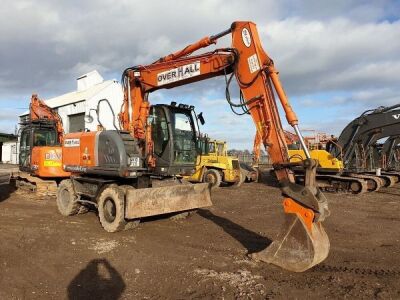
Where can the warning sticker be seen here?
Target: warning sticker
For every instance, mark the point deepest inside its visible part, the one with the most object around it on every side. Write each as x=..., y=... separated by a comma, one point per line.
x=254, y=66
x=179, y=73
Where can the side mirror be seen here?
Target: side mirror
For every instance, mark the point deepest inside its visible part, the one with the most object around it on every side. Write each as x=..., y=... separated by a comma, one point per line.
x=201, y=118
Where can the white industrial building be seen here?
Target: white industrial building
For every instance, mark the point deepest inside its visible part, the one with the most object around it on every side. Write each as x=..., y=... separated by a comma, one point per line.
x=74, y=106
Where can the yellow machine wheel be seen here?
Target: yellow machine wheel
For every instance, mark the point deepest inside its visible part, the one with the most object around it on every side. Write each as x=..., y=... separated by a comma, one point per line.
x=214, y=177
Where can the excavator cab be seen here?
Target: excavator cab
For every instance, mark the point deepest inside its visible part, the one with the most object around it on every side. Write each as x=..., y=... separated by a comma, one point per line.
x=174, y=136
x=35, y=134
x=40, y=150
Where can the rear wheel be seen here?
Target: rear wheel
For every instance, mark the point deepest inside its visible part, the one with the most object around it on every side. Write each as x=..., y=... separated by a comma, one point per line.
x=66, y=199
x=241, y=180
x=214, y=177
x=111, y=207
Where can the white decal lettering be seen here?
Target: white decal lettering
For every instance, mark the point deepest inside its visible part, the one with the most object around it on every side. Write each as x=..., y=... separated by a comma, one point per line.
x=178, y=74
x=254, y=66
x=72, y=142
x=246, y=37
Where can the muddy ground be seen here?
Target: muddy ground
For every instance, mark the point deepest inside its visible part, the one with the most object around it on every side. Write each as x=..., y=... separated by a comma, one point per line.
x=46, y=256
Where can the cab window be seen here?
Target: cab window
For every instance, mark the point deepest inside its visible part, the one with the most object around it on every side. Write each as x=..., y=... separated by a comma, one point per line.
x=44, y=137
x=184, y=139
x=159, y=132
x=211, y=147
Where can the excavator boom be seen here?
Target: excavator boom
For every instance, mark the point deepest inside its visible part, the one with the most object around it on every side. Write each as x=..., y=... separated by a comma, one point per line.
x=40, y=112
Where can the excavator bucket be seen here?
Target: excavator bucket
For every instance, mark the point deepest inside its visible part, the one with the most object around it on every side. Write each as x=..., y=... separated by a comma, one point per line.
x=168, y=199
x=299, y=246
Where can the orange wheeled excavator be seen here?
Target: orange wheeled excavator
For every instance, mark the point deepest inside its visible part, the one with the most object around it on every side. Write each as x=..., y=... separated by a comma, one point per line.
x=118, y=171
x=40, y=151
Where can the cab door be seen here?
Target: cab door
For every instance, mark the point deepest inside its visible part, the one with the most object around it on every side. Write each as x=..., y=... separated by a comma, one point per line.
x=25, y=146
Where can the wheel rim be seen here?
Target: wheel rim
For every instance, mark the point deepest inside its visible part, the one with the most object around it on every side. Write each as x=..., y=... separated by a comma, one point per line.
x=110, y=210
x=65, y=197
x=210, y=178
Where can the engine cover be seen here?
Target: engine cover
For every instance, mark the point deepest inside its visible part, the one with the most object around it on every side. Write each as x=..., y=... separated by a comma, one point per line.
x=107, y=152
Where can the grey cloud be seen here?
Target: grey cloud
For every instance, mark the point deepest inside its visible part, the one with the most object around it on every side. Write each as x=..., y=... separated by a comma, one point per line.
x=43, y=47
x=362, y=11
x=340, y=54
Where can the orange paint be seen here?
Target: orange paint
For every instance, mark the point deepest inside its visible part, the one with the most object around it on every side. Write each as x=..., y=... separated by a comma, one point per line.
x=292, y=207
x=47, y=162
x=78, y=149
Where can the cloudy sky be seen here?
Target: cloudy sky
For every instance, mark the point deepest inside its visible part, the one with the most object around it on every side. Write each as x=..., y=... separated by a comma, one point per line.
x=336, y=58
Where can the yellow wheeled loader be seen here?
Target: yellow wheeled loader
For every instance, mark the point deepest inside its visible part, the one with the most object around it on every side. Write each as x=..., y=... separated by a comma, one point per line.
x=215, y=166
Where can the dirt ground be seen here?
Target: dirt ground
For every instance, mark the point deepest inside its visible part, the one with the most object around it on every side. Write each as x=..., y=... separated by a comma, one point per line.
x=46, y=256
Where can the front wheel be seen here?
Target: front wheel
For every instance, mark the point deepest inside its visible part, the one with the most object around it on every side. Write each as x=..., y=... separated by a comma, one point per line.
x=111, y=207
x=66, y=199
x=214, y=177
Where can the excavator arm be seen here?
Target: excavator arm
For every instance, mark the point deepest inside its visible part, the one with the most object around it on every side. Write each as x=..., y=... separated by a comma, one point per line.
x=389, y=152
x=40, y=112
x=303, y=242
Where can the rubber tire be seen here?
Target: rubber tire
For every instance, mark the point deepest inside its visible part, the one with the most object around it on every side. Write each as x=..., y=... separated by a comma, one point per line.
x=217, y=178
x=68, y=206
x=241, y=180
x=117, y=196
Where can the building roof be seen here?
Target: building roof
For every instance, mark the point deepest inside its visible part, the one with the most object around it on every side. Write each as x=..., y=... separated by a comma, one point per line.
x=76, y=96
x=5, y=137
